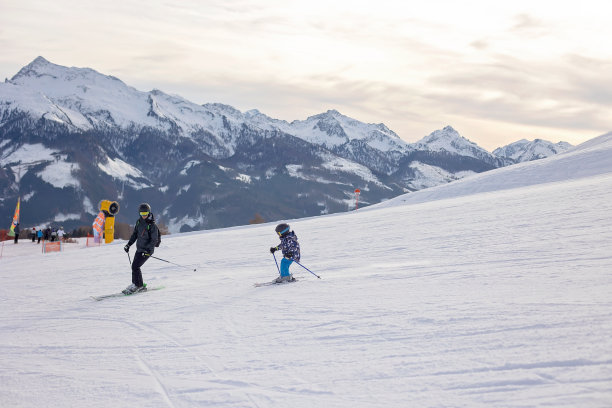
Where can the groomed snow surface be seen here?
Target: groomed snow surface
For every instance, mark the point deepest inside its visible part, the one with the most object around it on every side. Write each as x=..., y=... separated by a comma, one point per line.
x=501, y=298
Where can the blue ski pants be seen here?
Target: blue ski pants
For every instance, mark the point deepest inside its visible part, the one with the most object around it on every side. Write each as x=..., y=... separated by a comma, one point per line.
x=284, y=266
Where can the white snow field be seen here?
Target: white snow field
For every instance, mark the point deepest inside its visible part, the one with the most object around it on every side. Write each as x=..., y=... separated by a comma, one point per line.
x=497, y=299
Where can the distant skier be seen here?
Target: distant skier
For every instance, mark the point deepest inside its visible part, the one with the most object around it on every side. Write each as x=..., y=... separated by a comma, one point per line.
x=61, y=233
x=147, y=237
x=17, y=230
x=290, y=248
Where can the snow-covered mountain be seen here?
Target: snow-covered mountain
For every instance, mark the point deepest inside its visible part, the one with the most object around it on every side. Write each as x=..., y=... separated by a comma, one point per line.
x=70, y=137
x=332, y=129
x=525, y=150
x=450, y=141
x=84, y=100
x=494, y=292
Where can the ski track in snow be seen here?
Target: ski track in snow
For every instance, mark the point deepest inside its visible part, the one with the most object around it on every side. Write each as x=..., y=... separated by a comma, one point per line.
x=497, y=299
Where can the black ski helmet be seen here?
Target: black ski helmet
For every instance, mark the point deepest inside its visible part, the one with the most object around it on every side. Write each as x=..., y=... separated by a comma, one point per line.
x=144, y=207
x=282, y=229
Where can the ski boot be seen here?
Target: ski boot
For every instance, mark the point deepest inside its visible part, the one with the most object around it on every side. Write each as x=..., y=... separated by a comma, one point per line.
x=283, y=279
x=134, y=289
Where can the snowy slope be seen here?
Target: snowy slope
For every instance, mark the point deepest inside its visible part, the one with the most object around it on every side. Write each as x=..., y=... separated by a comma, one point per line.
x=487, y=300
x=426, y=176
x=588, y=159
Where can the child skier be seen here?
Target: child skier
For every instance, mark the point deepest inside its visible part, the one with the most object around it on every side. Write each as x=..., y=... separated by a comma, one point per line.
x=147, y=237
x=291, y=251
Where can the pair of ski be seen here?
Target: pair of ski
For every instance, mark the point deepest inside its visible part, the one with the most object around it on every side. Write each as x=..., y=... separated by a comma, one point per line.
x=149, y=289
x=121, y=294
x=274, y=282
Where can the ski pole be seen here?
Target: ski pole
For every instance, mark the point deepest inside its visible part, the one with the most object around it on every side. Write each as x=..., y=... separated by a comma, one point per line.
x=129, y=257
x=307, y=269
x=182, y=266
x=276, y=262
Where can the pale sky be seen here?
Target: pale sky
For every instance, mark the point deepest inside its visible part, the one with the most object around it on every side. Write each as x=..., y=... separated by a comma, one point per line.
x=495, y=71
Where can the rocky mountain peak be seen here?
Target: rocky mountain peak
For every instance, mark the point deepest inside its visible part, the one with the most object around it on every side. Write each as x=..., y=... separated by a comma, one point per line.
x=39, y=66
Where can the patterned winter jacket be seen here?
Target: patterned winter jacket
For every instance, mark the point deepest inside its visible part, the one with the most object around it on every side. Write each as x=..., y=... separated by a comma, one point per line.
x=289, y=245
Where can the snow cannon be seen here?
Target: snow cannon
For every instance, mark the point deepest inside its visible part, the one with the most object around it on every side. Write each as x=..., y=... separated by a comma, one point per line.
x=110, y=209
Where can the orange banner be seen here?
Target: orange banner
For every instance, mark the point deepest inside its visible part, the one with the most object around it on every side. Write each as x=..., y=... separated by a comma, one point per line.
x=98, y=224
x=51, y=247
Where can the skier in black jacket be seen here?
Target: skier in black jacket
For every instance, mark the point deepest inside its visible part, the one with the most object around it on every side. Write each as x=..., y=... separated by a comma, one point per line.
x=17, y=230
x=147, y=237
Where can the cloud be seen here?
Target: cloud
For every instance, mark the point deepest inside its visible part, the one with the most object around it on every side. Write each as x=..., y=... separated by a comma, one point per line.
x=549, y=93
x=412, y=69
x=525, y=22
x=590, y=79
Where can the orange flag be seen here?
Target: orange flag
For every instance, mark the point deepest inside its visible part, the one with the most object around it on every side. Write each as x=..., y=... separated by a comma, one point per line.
x=98, y=224
x=15, y=219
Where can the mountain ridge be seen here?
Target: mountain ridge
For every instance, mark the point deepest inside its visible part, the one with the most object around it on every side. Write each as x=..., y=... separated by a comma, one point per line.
x=98, y=126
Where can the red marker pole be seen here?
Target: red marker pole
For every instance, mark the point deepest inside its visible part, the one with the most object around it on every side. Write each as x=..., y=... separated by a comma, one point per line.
x=357, y=191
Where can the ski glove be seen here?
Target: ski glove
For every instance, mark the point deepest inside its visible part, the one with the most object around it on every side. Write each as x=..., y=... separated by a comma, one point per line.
x=146, y=254
x=273, y=250
x=127, y=248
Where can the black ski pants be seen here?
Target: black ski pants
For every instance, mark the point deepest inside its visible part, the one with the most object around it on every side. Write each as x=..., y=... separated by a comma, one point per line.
x=139, y=260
